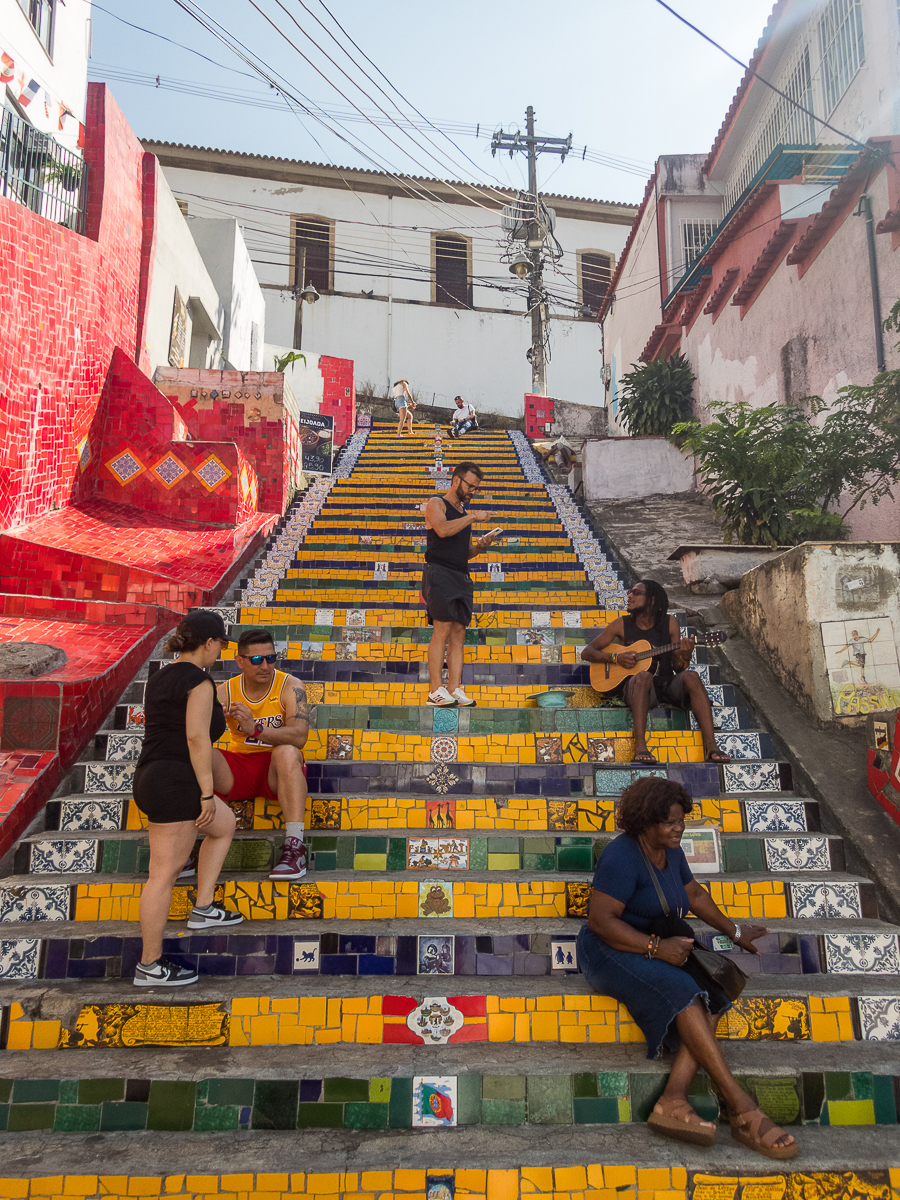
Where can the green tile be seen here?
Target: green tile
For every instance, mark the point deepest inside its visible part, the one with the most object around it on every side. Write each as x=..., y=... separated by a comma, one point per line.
x=612, y=1083
x=96, y=1091
x=379, y=1091
x=323, y=843
x=400, y=1107
x=326, y=860
x=863, y=1088
x=365, y=1116
x=549, y=1100
x=230, y=1091
x=574, y=858
x=339, y=1091
x=851, y=1112
x=700, y=1085
x=478, y=854
x=130, y=853
x=744, y=854
x=320, y=1116
x=813, y=1094
x=396, y=858
x=143, y=860
x=706, y=1107
x=68, y=1091
x=584, y=1086
x=371, y=845
x=171, y=1104
x=600, y=1110
x=4, y=1116
x=5, y=1090
x=109, y=862
x=345, y=853
x=503, y=1112
x=216, y=1118
x=777, y=1096
x=468, y=1099
x=503, y=1087
x=646, y=1089
x=121, y=1115
x=77, y=1118
x=538, y=862
x=275, y=1104
x=35, y=1091
x=503, y=845
x=23, y=1117
x=838, y=1085
x=370, y=862
x=539, y=845
x=503, y=862
x=884, y=1099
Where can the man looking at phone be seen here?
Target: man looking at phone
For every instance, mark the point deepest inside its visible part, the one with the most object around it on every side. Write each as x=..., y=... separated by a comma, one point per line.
x=268, y=724
x=447, y=588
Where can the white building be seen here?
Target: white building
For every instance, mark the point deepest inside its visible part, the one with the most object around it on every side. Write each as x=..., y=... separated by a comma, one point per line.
x=409, y=273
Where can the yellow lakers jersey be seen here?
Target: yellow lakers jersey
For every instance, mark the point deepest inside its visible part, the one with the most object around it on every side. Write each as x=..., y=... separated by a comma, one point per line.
x=269, y=711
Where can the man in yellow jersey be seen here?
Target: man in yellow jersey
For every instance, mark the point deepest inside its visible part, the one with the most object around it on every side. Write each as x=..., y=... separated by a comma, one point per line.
x=268, y=724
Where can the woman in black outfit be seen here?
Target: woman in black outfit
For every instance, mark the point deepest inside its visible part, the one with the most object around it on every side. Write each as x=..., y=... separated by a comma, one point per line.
x=173, y=787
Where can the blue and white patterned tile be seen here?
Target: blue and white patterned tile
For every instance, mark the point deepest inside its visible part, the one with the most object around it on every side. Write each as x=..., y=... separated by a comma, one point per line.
x=108, y=777
x=702, y=670
x=45, y=902
x=62, y=856
x=771, y=816
x=818, y=901
x=752, y=777
x=740, y=745
x=19, y=958
x=78, y=815
x=725, y=717
x=123, y=747
x=862, y=954
x=879, y=1018
x=797, y=854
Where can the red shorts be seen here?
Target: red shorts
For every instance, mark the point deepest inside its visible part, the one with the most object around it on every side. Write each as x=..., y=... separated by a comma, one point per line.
x=251, y=775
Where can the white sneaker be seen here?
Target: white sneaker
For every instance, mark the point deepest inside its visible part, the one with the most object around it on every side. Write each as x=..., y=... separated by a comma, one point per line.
x=462, y=699
x=441, y=698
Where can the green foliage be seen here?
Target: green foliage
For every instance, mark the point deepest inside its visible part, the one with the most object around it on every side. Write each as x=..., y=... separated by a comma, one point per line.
x=283, y=361
x=656, y=396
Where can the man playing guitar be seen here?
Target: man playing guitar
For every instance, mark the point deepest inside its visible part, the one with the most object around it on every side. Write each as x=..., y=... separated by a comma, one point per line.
x=667, y=681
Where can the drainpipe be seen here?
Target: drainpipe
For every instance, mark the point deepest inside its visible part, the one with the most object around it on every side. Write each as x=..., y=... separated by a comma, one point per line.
x=864, y=208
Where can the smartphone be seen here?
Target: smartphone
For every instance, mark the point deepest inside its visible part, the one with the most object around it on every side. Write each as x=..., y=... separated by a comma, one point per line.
x=495, y=532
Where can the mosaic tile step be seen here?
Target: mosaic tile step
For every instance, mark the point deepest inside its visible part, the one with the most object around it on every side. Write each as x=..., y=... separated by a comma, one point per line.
x=537, y=814
x=267, y=950
x=299, y=613
x=423, y=1101
x=413, y=1020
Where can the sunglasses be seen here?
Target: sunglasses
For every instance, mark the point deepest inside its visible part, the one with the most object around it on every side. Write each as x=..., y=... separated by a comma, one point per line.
x=256, y=659
x=634, y=592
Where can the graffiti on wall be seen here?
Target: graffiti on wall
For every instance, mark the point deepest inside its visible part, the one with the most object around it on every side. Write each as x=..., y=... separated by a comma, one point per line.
x=862, y=665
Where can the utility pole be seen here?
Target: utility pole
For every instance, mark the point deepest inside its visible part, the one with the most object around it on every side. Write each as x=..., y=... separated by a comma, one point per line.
x=534, y=234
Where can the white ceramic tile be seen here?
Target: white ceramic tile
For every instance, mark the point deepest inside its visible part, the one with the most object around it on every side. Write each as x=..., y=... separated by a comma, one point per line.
x=562, y=956
x=862, y=954
x=812, y=901
x=64, y=856
x=108, y=777
x=879, y=1018
x=123, y=747
x=41, y=902
x=90, y=814
x=434, y=1101
x=797, y=854
x=19, y=958
x=306, y=955
x=752, y=777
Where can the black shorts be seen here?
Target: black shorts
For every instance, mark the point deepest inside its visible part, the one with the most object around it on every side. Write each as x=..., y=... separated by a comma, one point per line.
x=166, y=791
x=448, y=594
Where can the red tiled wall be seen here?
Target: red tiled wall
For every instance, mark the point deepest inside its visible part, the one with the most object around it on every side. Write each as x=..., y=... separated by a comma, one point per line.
x=884, y=772
x=339, y=395
x=538, y=415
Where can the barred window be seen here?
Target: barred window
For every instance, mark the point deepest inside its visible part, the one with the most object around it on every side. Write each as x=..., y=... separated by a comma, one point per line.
x=694, y=236
x=841, y=46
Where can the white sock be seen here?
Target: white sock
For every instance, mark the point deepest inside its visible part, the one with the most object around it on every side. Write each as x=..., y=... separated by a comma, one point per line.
x=294, y=829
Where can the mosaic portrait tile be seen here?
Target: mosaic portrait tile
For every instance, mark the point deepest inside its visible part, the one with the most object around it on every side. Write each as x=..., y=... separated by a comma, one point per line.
x=441, y=781
x=534, y=637
x=435, y=898
x=19, y=958
x=435, y=1020
x=562, y=956
x=75, y=815
x=305, y=901
x=47, y=902
x=562, y=815
x=244, y=811
x=435, y=955
x=769, y=816
x=62, y=856
x=443, y=749
x=339, y=745
x=434, y=1101
x=752, y=777
x=601, y=749
x=108, y=777
x=740, y=745
x=123, y=747
x=862, y=954
x=548, y=750
x=578, y=897
x=765, y=1018
x=819, y=900
x=306, y=954
x=879, y=1018
x=325, y=813
x=134, y=716
x=445, y=854
x=797, y=854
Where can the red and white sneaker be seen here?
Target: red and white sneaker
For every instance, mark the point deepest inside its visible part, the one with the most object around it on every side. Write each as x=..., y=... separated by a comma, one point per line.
x=292, y=863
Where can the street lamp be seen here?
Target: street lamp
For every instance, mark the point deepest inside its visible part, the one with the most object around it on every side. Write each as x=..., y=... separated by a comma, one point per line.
x=521, y=265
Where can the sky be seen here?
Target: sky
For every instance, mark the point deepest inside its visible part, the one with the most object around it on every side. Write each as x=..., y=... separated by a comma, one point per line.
x=624, y=77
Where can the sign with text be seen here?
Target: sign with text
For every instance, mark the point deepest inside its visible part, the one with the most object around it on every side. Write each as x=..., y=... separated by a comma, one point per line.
x=316, y=432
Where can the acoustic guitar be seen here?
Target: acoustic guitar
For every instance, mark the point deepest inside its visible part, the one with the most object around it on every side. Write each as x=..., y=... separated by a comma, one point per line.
x=606, y=676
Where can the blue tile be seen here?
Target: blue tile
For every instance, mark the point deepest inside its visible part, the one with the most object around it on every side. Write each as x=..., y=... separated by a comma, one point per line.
x=810, y=960
x=491, y=964
x=216, y=964
x=57, y=958
x=255, y=964
x=103, y=947
x=465, y=955
x=284, y=956
x=356, y=943
x=87, y=968
x=246, y=944
x=310, y=1090
x=337, y=964
x=376, y=964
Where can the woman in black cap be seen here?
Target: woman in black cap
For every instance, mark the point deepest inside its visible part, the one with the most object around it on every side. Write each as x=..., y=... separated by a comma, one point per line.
x=173, y=787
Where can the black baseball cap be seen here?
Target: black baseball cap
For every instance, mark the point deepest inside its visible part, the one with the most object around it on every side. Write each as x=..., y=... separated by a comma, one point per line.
x=204, y=624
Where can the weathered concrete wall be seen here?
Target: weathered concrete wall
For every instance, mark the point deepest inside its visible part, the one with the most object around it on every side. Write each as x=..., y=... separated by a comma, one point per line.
x=826, y=618
x=579, y=420
x=621, y=467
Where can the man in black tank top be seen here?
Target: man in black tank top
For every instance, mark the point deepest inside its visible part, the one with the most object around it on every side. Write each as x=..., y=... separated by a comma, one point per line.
x=446, y=586
x=667, y=681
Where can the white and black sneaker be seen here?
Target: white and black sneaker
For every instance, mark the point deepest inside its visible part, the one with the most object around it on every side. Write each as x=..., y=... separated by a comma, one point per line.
x=213, y=916
x=189, y=869
x=164, y=973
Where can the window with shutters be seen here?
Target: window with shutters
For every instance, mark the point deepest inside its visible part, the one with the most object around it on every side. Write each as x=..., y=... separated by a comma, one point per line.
x=595, y=268
x=451, y=270
x=694, y=236
x=312, y=252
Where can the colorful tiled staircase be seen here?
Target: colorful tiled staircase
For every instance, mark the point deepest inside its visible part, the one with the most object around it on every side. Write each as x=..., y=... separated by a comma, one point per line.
x=409, y=1019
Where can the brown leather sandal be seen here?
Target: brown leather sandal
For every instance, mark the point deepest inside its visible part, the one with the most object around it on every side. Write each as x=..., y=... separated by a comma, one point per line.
x=758, y=1132
x=687, y=1126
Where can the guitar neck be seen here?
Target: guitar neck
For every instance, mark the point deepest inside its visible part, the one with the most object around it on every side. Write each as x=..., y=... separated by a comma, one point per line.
x=656, y=650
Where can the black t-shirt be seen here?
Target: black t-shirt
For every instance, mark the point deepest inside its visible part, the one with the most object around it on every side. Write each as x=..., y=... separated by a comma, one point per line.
x=453, y=551
x=165, y=709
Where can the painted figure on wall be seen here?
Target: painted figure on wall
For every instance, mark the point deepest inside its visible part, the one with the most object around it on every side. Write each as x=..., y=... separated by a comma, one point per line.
x=857, y=648
x=861, y=660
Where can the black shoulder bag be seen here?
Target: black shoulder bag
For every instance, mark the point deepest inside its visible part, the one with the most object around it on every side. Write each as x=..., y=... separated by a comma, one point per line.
x=702, y=965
